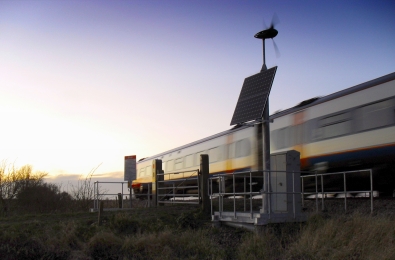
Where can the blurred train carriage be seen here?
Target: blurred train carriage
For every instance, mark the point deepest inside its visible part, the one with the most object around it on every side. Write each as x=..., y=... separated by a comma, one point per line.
x=351, y=129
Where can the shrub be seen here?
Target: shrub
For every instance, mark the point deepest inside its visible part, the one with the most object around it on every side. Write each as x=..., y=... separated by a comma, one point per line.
x=104, y=245
x=191, y=219
x=168, y=244
x=124, y=223
x=13, y=180
x=41, y=198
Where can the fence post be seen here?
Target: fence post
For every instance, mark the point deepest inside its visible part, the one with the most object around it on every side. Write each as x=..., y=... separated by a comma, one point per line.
x=156, y=169
x=100, y=213
x=204, y=174
x=119, y=200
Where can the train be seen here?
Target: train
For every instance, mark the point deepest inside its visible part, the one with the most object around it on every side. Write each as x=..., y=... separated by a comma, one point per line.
x=352, y=129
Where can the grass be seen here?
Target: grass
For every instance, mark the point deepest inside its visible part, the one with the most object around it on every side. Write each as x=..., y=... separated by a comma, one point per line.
x=183, y=232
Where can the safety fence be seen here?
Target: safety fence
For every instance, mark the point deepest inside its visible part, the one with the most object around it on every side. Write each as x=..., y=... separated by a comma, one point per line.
x=112, y=201
x=249, y=198
x=327, y=186
x=178, y=187
x=245, y=193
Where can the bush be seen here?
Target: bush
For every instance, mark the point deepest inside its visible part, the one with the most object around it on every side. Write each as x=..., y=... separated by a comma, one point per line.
x=168, y=244
x=43, y=198
x=191, y=219
x=124, y=223
x=105, y=245
x=13, y=180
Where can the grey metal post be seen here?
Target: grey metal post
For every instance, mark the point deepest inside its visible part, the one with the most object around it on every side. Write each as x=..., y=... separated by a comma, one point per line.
x=122, y=193
x=130, y=196
x=158, y=179
x=120, y=200
x=371, y=192
x=100, y=213
x=266, y=155
x=322, y=189
x=95, y=206
x=345, y=192
x=204, y=172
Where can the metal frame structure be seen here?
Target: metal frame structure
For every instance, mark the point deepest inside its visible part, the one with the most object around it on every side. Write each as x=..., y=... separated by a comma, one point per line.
x=164, y=197
x=251, y=218
x=324, y=194
x=97, y=195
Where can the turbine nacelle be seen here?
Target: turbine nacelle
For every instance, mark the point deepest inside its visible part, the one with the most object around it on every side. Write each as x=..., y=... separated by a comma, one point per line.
x=268, y=33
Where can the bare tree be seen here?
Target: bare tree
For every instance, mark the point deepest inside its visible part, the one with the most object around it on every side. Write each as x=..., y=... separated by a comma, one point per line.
x=84, y=191
x=13, y=180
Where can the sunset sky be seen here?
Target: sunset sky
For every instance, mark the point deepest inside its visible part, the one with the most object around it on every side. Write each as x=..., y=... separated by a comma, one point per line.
x=86, y=82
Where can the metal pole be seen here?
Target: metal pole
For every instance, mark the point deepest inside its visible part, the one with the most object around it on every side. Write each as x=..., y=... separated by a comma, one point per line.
x=220, y=197
x=203, y=189
x=293, y=194
x=174, y=192
x=263, y=54
x=122, y=194
x=130, y=196
x=251, y=194
x=234, y=196
x=371, y=191
x=345, y=192
x=316, y=192
x=266, y=154
x=245, y=190
x=322, y=192
x=94, y=194
x=97, y=192
x=149, y=194
x=211, y=195
x=302, y=192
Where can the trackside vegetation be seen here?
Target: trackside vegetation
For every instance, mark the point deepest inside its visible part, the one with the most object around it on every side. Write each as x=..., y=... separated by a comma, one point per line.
x=69, y=231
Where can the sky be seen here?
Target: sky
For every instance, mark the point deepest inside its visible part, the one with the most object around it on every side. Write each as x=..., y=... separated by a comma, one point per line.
x=85, y=83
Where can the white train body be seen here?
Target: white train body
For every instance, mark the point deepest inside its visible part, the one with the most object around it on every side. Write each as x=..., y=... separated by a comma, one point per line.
x=350, y=129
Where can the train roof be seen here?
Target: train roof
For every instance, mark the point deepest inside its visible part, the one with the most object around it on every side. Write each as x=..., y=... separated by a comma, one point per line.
x=232, y=130
x=303, y=105
x=318, y=100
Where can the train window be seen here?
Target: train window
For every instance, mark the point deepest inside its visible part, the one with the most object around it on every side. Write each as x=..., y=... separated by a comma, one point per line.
x=376, y=115
x=243, y=148
x=148, y=171
x=178, y=163
x=188, y=161
x=169, y=165
x=213, y=155
x=333, y=126
x=335, y=119
x=338, y=129
x=231, y=150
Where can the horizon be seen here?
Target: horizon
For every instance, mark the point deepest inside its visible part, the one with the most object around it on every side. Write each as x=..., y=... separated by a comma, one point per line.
x=87, y=83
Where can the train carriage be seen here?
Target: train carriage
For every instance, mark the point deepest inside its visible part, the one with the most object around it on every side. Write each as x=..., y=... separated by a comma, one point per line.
x=347, y=130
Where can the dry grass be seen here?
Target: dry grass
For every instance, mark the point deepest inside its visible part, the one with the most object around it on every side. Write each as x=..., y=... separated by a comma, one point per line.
x=182, y=232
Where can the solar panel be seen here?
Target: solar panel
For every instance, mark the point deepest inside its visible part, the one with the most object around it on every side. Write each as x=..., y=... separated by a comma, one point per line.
x=253, y=96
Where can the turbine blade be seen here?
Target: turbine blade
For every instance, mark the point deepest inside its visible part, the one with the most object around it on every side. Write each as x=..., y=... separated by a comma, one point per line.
x=275, y=20
x=276, y=50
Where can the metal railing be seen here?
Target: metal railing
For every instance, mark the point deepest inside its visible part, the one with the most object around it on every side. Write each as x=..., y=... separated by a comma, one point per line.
x=100, y=195
x=319, y=179
x=265, y=194
x=173, y=189
x=243, y=200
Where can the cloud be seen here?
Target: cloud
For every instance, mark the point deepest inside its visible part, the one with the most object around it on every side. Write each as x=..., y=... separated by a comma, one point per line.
x=110, y=181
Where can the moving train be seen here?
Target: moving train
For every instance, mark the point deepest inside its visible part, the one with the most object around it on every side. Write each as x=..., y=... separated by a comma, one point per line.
x=351, y=129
